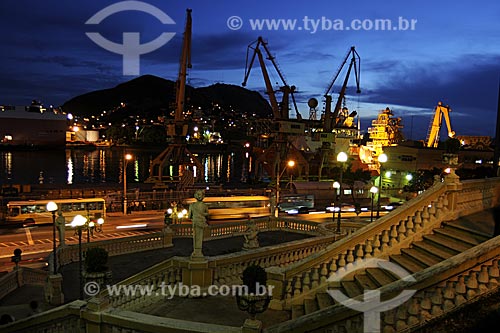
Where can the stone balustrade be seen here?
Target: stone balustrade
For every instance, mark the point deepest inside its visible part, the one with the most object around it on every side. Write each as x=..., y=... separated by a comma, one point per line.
x=63, y=319
x=20, y=277
x=387, y=235
x=440, y=289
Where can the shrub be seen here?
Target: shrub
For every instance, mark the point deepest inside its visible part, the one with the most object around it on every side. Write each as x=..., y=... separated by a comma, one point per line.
x=96, y=260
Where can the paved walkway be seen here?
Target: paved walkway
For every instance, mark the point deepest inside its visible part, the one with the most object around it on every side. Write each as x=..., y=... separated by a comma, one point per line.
x=124, y=266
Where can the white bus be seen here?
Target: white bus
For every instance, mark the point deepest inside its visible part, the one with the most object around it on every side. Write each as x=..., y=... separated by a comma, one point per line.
x=35, y=211
x=237, y=207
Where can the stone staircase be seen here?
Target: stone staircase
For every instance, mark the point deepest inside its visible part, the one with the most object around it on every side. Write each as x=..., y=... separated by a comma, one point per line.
x=447, y=241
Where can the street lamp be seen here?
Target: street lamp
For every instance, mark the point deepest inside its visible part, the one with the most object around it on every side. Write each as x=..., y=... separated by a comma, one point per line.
x=128, y=157
x=336, y=186
x=373, y=191
x=52, y=207
x=78, y=223
x=342, y=158
x=382, y=158
x=290, y=164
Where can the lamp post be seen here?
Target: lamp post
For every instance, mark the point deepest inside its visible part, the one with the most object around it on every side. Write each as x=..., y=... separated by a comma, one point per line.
x=342, y=158
x=382, y=158
x=78, y=223
x=52, y=207
x=290, y=164
x=373, y=191
x=128, y=157
x=336, y=186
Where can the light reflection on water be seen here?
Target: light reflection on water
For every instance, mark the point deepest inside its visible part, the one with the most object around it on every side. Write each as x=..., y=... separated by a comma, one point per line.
x=104, y=165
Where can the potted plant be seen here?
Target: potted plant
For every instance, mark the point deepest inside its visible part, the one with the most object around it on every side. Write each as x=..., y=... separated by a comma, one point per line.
x=96, y=269
x=257, y=300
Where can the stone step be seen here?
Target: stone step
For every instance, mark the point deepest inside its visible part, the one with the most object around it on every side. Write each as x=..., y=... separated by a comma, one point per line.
x=436, y=250
x=380, y=276
x=411, y=265
x=444, y=241
x=297, y=311
x=351, y=288
x=469, y=230
x=482, y=236
x=365, y=282
x=324, y=300
x=460, y=235
x=421, y=256
x=310, y=305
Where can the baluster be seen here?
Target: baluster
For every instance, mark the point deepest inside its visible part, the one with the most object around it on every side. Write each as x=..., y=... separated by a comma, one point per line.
x=360, y=254
x=483, y=279
x=401, y=233
x=323, y=273
x=297, y=287
x=315, y=278
x=425, y=216
x=376, y=245
x=417, y=220
x=410, y=226
x=437, y=302
x=413, y=311
x=472, y=285
x=368, y=249
x=385, y=240
x=350, y=258
x=494, y=274
x=449, y=296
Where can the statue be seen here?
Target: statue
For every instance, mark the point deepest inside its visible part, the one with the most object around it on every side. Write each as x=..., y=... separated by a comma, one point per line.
x=61, y=225
x=175, y=216
x=198, y=213
x=251, y=240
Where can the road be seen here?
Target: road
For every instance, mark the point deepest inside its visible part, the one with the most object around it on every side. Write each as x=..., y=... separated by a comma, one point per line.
x=37, y=241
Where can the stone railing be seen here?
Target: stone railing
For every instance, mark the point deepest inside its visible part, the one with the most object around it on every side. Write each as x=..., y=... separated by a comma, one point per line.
x=65, y=319
x=157, y=279
x=390, y=233
x=439, y=290
x=83, y=317
x=231, y=229
x=70, y=253
x=20, y=277
x=227, y=269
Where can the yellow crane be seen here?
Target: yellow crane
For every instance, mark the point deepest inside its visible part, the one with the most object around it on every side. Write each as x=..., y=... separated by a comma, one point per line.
x=435, y=127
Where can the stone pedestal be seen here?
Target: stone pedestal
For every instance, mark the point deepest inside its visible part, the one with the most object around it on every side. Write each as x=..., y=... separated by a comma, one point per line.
x=167, y=237
x=252, y=326
x=53, y=290
x=197, y=273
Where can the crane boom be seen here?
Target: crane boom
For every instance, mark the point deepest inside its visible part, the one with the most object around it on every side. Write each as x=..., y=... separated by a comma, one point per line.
x=185, y=63
x=280, y=110
x=440, y=112
x=331, y=118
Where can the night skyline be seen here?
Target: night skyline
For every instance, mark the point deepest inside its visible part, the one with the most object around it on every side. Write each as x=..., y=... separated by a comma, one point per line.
x=452, y=55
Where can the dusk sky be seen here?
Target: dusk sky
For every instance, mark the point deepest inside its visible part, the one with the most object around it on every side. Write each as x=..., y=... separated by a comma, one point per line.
x=451, y=55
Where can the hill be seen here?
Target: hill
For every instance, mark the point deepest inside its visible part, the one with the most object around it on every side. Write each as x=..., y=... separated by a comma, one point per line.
x=151, y=96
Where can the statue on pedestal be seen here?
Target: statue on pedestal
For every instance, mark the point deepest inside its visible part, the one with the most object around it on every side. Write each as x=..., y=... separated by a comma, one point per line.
x=198, y=213
x=61, y=225
x=251, y=239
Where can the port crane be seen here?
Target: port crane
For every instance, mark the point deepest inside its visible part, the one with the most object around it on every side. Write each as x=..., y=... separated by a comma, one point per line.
x=435, y=126
x=176, y=163
x=283, y=127
x=280, y=110
x=332, y=119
